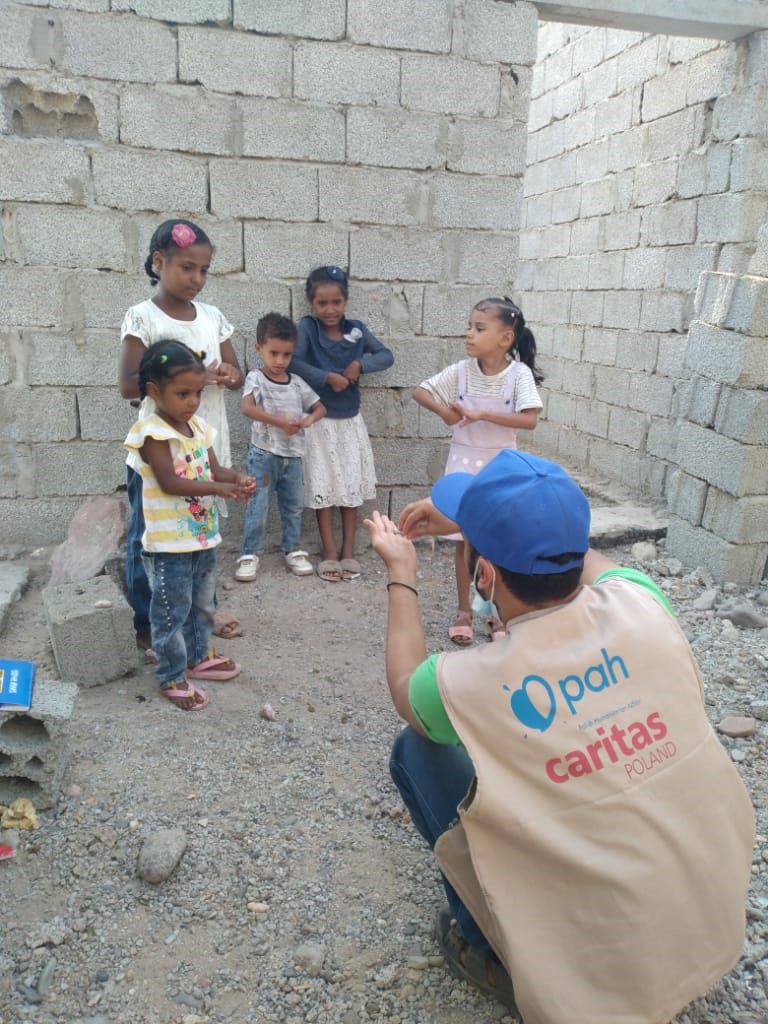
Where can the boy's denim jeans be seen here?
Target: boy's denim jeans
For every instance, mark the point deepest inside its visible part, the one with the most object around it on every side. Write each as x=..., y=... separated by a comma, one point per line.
x=181, y=609
x=136, y=582
x=433, y=779
x=285, y=477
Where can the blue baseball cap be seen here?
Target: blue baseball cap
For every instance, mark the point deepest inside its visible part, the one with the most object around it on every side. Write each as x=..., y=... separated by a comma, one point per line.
x=520, y=512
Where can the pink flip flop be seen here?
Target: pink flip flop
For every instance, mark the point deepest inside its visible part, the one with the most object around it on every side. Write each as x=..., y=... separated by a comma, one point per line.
x=460, y=631
x=216, y=667
x=176, y=694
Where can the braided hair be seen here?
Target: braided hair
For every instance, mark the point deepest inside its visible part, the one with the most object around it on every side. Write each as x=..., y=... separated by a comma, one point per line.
x=524, y=343
x=164, y=359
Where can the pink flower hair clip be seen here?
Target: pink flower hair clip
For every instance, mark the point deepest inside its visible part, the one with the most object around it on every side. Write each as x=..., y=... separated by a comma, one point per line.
x=182, y=235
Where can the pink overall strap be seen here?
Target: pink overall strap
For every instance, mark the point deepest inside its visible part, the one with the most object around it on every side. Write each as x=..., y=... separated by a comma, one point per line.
x=509, y=384
x=462, y=382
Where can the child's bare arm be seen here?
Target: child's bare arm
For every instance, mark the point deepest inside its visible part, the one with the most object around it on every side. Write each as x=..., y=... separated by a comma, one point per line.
x=526, y=419
x=316, y=412
x=244, y=485
x=428, y=401
x=251, y=408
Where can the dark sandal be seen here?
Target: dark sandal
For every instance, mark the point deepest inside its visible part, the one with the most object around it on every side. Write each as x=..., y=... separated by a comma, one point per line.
x=482, y=970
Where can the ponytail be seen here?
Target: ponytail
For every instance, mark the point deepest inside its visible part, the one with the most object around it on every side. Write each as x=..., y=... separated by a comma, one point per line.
x=524, y=342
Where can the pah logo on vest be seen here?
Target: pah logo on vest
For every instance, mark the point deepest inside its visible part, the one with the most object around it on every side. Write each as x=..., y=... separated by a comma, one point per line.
x=536, y=701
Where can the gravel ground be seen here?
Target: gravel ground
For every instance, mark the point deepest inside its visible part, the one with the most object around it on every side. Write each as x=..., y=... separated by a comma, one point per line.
x=303, y=894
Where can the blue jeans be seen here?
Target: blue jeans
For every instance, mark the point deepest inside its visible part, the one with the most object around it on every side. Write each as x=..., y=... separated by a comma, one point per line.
x=433, y=779
x=181, y=610
x=284, y=476
x=136, y=582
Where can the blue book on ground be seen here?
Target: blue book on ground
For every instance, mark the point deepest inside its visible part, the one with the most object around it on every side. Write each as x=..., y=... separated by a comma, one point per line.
x=17, y=678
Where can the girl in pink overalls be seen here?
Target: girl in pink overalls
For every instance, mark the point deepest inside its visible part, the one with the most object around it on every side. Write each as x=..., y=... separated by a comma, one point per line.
x=486, y=399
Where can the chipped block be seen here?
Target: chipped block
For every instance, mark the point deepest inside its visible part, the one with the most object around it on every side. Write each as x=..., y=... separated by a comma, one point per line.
x=34, y=745
x=91, y=644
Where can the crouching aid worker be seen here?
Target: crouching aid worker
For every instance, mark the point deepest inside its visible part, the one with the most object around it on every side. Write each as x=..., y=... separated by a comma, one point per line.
x=602, y=851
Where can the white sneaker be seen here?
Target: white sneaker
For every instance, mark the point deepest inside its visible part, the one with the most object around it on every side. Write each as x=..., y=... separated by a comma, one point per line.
x=247, y=567
x=298, y=563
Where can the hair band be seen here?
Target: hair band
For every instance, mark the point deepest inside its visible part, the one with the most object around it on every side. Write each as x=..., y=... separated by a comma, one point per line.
x=163, y=358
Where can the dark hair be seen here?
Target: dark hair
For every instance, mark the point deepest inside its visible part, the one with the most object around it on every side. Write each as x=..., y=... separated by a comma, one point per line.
x=275, y=325
x=164, y=360
x=524, y=342
x=535, y=590
x=326, y=275
x=162, y=240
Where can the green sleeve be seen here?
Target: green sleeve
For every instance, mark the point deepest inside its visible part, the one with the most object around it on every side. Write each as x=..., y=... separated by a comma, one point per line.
x=635, y=576
x=427, y=704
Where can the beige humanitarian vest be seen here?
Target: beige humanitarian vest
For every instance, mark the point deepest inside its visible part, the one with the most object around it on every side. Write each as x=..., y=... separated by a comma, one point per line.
x=607, y=840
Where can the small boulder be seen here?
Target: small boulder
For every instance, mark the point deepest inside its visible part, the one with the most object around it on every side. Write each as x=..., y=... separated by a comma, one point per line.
x=743, y=615
x=96, y=532
x=161, y=854
x=309, y=957
x=705, y=601
x=737, y=726
x=644, y=551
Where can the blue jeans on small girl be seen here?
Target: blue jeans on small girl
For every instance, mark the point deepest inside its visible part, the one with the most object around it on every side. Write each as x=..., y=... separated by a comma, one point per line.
x=285, y=477
x=433, y=779
x=181, y=609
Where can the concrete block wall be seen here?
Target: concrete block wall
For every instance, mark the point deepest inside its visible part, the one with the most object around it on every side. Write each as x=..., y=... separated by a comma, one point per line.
x=387, y=138
x=645, y=169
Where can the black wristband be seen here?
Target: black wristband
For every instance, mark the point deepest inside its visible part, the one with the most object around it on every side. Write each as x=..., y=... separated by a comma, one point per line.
x=397, y=583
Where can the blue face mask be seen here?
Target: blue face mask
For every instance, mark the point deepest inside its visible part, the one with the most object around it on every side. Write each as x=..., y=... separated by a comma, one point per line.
x=481, y=605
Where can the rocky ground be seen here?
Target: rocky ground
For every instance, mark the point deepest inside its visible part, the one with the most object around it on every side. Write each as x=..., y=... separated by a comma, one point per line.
x=303, y=893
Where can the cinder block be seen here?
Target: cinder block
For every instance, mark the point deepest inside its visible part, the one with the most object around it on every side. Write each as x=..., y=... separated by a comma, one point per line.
x=621, y=230
x=572, y=273
x=34, y=745
x=644, y=268
x=736, y=468
x=743, y=415
x=699, y=400
x=93, y=45
x=554, y=241
x=446, y=309
x=622, y=308
x=455, y=86
x=557, y=68
x=580, y=128
x=573, y=446
x=628, y=427
x=651, y=394
x=597, y=197
x=136, y=180
x=655, y=183
x=547, y=142
x=738, y=520
x=581, y=378
x=586, y=236
x=516, y=94
x=637, y=64
x=26, y=40
x=661, y=442
x=244, y=300
x=537, y=210
x=664, y=311
x=391, y=413
x=396, y=254
x=302, y=18
x=500, y=32
x=695, y=546
x=181, y=11
x=592, y=417
x=605, y=270
x=731, y=218
x=61, y=107
x=540, y=112
x=415, y=360
x=409, y=462
x=592, y=160
x=567, y=99
x=734, y=301
x=43, y=172
x=665, y=94
x=336, y=73
x=561, y=409
x=485, y=256
x=77, y=467
x=71, y=237
x=425, y=26
x=671, y=358
x=226, y=236
x=702, y=173
x=266, y=191
x=669, y=136
x=636, y=350
x=674, y=223
x=293, y=131
x=29, y=520
x=601, y=82
x=480, y=147
x=587, y=308
x=473, y=202
x=600, y=346
x=180, y=117
x=749, y=165
x=91, y=644
x=413, y=140
x=612, y=385
x=687, y=263
x=588, y=51
x=292, y=250
x=32, y=296
x=726, y=356
x=104, y=415
x=615, y=115
x=355, y=195
x=254, y=65
x=38, y=414
x=99, y=299
x=741, y=113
